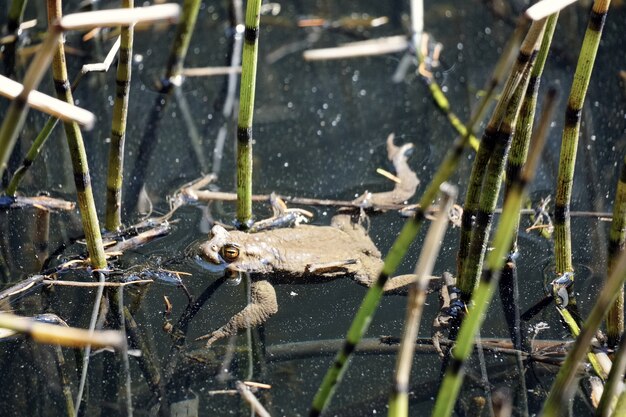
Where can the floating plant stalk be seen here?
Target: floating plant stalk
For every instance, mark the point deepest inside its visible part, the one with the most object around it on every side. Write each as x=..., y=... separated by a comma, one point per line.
x=246, y=110
x=399, y=399
x=78, y=155
x=617, y=242
x=482, y=295
x=16, y=114
x=113, y=216
x=569, y=145
x=487, y=170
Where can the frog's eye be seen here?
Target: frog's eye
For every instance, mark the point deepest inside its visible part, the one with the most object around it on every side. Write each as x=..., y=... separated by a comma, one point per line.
x=229, y=253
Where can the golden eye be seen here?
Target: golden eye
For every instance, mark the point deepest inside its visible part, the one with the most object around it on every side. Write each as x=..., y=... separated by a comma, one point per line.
x=229, y=253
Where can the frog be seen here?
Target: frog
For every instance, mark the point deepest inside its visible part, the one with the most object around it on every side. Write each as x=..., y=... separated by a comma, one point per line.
x=301, y=254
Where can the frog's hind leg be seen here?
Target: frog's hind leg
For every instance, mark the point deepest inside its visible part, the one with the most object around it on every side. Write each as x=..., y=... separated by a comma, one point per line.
x=262, y=306
x=400, y=283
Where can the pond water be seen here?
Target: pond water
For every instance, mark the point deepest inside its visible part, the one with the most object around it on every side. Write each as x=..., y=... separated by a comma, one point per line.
x=319, y=131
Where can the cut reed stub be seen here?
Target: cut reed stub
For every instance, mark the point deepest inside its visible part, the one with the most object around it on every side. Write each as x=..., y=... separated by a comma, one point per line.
x=545, y=8
x=371, y=47
x=120, y=17
x=47, y=104
x=61, y=335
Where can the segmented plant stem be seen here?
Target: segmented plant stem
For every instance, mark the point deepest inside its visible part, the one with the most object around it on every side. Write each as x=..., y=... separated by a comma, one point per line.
x=569, y=145
x=486, y=177
x=246, y=109
x=78, y=155
x=182, y=38
x=16, y=114
x=481, y=297
x=32, y=154
x=617, y=244
x=113, y=217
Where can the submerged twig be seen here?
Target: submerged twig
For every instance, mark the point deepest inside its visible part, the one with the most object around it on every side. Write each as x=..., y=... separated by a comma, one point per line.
x=249, y=397
x=41, y=202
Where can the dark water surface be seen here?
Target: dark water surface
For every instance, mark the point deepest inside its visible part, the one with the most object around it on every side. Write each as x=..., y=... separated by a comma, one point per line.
x=319, y=131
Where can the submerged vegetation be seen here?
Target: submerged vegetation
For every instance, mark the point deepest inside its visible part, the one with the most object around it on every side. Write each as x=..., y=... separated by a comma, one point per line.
x=107, y=317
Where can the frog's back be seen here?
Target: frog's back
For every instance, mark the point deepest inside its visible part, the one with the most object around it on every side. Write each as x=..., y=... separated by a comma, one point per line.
x=298, y=250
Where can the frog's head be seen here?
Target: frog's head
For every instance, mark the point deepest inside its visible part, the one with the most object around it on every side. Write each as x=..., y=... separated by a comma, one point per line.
x=219, y=253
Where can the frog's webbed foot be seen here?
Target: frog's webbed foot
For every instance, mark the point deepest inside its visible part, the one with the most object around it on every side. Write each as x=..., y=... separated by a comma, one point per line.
x=262, y=306
x=406, y=180
x=282, y=216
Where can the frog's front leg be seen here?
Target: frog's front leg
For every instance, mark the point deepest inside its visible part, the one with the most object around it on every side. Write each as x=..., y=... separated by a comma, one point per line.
x=262, y=306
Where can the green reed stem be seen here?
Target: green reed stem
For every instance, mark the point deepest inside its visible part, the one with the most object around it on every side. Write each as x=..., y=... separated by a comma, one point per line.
x=614, y=382
x=16, y=114
x=482, y=295
x=113, y=217
x=569, y=145
x=246, y=109
x=517, y=158
x=184, y=30
x=486, y=175
x=409, y=231
x=399, y=398
x=617, y=243
x=620, y=407
x=78, y=155
x=563, y=386
x=444, y=105
x=32, y=155
x=15, y=15
x=14, y=20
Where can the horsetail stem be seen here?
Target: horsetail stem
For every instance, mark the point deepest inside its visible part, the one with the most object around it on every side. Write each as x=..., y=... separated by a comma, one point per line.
x=16, y=114
x=561, y=391
x=517, y=158
x=14, y=20
x=617, y=242
x=486, y=175
x=409, y=231
x=182, y=38
x=171, y=79
x=482, y=295
x=399, y=398
x=246, y=109
x=78, y=155
x=113, y=217
x=31, y=155
x=609, y=402
x=582, y=75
